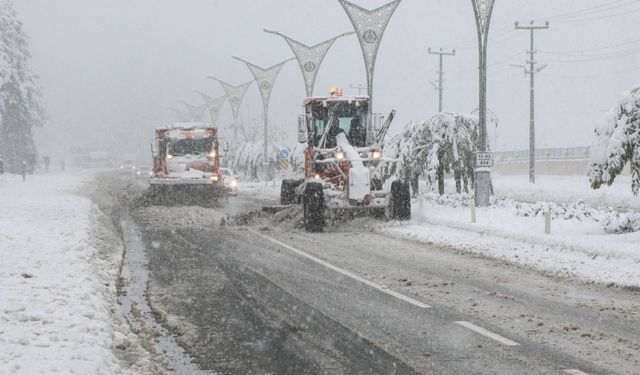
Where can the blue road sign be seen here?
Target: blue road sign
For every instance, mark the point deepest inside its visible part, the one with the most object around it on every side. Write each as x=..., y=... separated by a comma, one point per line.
x=284, y=154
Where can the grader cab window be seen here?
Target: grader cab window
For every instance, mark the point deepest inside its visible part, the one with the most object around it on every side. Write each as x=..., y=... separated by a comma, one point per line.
x=349, y=119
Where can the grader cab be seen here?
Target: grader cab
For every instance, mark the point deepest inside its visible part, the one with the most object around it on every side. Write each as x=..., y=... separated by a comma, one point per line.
x=343, y=163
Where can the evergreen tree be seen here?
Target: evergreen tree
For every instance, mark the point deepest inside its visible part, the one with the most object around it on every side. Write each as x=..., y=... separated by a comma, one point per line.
x=20, y=108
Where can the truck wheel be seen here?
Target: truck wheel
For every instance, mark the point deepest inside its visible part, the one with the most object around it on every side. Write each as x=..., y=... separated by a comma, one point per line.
x=288, y=192
x=313, y=206
x=400, y=202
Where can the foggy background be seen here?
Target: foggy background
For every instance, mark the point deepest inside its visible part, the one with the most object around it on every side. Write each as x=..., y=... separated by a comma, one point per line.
x=109, y=68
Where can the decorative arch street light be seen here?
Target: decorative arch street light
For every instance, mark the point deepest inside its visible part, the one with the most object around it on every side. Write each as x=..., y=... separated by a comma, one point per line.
x=235, y=94
x=309, y=57
x=482, y=10
x=370, y=26
x=265, y=79
x=180, y=115
x=214, y=105
x=196, y=112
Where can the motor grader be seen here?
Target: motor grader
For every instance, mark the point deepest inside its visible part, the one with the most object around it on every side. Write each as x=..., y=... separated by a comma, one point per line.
x=343, y=163
x=186, y=165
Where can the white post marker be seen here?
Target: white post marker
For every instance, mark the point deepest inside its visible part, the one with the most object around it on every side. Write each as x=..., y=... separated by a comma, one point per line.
x=474, y=218
x=547, y=222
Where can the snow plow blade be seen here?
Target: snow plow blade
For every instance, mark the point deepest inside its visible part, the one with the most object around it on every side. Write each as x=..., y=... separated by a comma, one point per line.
x=275, y=209
x=168, y=194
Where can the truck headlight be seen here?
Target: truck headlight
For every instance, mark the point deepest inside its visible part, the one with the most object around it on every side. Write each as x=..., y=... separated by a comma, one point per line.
x=234, y=183
x=169, y=156
x=214, y=178
x=376, y=155
x=212, y=154
x=339, y=155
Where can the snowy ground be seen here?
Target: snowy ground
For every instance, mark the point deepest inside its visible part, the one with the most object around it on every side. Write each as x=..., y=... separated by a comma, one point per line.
x=579, y=245
x=58, y=311
x=260, y=189
x=568, y=189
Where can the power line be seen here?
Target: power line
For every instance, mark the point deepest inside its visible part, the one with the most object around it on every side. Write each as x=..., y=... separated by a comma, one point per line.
x=569, y=52
x=602, y=58
x=601, y=17
x=589, y=9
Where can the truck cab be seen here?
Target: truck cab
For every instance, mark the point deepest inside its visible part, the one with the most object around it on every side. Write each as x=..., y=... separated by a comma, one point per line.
x=186, y=160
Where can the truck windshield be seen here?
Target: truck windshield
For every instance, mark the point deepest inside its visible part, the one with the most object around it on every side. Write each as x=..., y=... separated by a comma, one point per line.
x=351, y=122
x=190, y=146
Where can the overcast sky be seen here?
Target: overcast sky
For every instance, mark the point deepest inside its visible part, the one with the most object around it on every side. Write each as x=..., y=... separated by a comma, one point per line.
x=109, y=68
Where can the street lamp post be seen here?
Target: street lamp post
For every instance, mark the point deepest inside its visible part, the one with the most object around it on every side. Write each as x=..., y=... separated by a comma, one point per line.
x=235, y=94
x=196, y=112
x=309, y=57
x=214, y=105
x=180, y=116
x=370, y=26
x=265, y=79
x=483, y=10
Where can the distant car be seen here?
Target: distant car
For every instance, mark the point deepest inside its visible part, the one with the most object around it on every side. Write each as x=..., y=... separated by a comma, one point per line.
x=128, y=164
x=230, y=180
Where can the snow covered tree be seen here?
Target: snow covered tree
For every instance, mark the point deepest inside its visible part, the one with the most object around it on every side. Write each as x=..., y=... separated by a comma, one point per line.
x=20, y=108
x=443, y=144
x=246, y=158
x=617, y=142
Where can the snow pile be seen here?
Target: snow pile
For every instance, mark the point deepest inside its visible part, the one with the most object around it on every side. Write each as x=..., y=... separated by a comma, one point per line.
x=610, y=220
x=575, y=248
x=566, y=189
x=57, y=311
x=270, y=190
x=622, y=223
x=617, y=142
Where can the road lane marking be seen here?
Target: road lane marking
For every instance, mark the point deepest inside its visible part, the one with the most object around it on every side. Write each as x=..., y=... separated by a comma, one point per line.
x=330, y=266
x=489, y=334
x=575, y=372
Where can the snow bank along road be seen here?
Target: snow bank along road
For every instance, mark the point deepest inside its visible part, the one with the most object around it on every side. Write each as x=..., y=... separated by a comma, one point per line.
x=269, y=298
x=58, y=270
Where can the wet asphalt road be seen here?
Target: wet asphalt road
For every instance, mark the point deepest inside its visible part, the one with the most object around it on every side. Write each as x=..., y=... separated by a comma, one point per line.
x=260, y=299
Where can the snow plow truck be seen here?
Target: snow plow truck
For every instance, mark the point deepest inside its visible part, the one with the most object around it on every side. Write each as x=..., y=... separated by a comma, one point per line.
x=343, y=163
x=186, y=165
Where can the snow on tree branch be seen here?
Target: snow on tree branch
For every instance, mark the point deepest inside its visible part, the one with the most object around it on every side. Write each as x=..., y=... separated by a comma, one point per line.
x=445, y=143
x=616, y=143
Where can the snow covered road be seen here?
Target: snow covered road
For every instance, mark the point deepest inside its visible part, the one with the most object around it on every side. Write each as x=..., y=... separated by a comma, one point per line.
x=259, y=295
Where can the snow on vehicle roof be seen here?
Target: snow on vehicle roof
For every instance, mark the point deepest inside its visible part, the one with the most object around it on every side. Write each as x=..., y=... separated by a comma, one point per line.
x=336, y=98
x=186, y=126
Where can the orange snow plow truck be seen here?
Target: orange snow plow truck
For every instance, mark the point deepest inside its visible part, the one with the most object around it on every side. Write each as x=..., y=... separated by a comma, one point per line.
x=186, y=164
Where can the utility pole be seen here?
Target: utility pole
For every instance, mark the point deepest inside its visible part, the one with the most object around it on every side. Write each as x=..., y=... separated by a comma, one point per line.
x=440, y=87
x=358, y=87
x=533, y=69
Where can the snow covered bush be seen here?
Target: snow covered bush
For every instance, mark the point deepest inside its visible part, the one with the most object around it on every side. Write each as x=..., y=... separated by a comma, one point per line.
x=443, y=144
x=617, y=142
x=246, y=159
x=622, y=223
x=296, y=159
